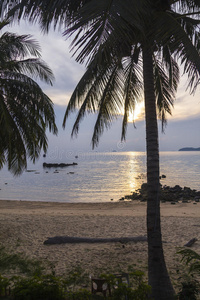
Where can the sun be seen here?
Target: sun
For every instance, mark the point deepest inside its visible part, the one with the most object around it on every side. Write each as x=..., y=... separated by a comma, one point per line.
x=137, y=114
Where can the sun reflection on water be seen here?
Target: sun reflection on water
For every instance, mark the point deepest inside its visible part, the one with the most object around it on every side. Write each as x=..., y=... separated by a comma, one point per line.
x=136, y=170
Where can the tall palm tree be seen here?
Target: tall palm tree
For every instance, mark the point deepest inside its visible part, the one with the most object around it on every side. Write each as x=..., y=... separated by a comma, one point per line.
x=129, y=46
x=25, y=111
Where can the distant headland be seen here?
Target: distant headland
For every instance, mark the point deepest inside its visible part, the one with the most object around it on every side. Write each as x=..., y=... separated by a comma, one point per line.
x=189, y=149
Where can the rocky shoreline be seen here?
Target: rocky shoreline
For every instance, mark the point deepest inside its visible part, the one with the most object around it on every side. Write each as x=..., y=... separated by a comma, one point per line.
x=167, y=193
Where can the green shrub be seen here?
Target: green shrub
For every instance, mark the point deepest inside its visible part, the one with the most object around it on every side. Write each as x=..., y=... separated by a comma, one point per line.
x=189, y=290
x=190, y=287
x=191, y=259
x=75, y=278
x=81, y=294
x=4, y=286
x=137, y=289
x=10, y=261
x=46, y=287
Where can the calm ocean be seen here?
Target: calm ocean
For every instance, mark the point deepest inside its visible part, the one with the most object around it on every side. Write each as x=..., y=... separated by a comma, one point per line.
x=98, y=177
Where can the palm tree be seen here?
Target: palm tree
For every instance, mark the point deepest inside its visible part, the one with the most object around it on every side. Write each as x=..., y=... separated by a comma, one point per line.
x=25, y=111
x=129, y=46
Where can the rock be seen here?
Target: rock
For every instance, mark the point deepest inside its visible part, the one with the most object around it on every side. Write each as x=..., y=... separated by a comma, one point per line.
x=121, y=199
x=56, y=165
x=167, y=193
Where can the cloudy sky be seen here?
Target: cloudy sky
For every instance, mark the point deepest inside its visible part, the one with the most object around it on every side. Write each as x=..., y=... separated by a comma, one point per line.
x=183, y=127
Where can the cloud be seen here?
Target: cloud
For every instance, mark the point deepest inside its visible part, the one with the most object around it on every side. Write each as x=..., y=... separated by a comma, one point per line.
x=186, y=105
x=183, y=125
x=55, y=52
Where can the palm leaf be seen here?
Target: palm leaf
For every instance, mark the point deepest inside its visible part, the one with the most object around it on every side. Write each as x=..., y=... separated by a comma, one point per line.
x=132, y=87
x=110, y=103
x=192, y=258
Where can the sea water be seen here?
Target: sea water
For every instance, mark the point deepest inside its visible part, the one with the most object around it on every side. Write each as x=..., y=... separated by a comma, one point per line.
x=97, y=177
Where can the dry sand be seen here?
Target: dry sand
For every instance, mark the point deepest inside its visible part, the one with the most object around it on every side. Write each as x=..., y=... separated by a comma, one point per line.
x=24, y=226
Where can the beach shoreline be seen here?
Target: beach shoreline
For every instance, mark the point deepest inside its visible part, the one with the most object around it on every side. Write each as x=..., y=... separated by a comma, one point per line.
x=129, y=208
x=25, y=225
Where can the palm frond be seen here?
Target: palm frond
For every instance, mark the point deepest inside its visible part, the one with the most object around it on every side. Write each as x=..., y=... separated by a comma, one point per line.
x=164, y=90
x=110, y=105
x=19, y=46
x=191, y=258
x=97, y=22
x=92, y=97
x=34, y=67
x=12, y=146
x=20, y=90
x=180, y=45
x=80, y=91
x=171, y=67
x=132, y=87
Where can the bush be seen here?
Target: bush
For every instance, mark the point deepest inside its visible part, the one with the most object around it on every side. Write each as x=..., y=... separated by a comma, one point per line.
x=19, y=263
x=47, y=287
x=135, y=289
x=190, y=287
x=4, y=286
x=189, y=290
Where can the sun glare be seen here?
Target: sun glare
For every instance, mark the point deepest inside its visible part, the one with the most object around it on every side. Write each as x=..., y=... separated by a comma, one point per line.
x=138, y=112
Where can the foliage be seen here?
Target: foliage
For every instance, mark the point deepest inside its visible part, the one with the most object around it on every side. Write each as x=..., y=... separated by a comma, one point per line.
x=19, y=262
x=25, y=111
x=36, y=285
x=135, y=288
x=75, y=277
x=4, y=284
x=46, y=287
x=192, y=259
x=190, y=286
x=189, y=290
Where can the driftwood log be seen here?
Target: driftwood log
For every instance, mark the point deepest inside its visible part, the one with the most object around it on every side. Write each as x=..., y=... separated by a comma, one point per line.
x=73, y=240
x=191, y=242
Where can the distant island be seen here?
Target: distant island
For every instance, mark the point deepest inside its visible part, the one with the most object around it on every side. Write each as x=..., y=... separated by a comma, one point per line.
x=189, y=149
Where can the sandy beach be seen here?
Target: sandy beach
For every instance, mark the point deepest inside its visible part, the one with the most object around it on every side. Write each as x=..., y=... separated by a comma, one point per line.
x=24, y=226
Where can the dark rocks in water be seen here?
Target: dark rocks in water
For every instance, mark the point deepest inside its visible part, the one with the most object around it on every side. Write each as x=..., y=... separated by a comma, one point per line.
x=189, y=149
x=55, y=165
x=163, y=176
x=167, y=193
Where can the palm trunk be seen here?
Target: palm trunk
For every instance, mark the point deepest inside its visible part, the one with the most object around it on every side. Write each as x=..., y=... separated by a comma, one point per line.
x=157, y=272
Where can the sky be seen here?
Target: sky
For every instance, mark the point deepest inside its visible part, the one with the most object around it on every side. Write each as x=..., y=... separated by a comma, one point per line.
x=183, y=127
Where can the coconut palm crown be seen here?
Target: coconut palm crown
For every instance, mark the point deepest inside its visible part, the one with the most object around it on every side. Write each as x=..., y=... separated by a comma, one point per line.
x=25, y=111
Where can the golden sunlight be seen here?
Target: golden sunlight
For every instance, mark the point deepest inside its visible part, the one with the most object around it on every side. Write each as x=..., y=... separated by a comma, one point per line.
x=138, y=113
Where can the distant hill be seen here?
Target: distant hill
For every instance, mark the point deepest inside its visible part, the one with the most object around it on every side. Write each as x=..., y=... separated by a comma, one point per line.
x=189, y=149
